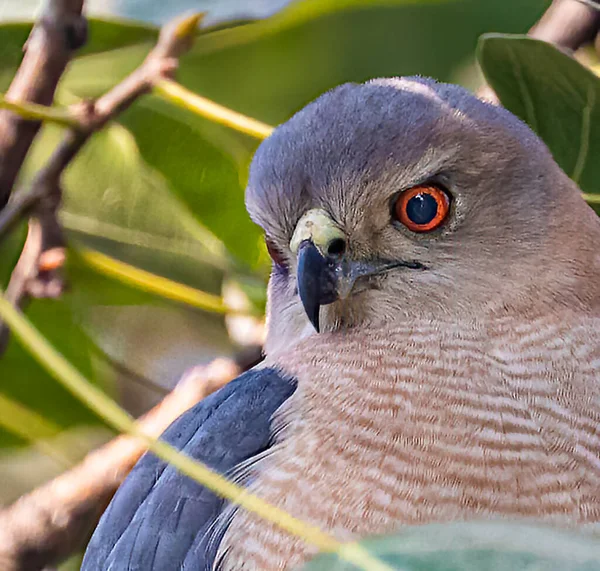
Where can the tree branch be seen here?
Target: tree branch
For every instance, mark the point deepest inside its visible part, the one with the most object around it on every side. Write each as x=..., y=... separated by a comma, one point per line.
x=60, y=30
x=56, y=519
x=568, y=24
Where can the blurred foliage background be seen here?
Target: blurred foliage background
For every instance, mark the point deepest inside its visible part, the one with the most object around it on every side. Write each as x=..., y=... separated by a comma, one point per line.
x=158, y=194
x=162, y=189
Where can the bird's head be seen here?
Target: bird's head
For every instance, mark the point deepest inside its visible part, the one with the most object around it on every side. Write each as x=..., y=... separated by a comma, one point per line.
x=405, y=198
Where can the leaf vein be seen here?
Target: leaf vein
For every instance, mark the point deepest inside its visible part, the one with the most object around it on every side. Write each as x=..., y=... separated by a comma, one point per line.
x=525, y=94
x=584, y=142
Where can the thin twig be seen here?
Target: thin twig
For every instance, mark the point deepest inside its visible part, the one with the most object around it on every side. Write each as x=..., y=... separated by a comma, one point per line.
x=55, y=520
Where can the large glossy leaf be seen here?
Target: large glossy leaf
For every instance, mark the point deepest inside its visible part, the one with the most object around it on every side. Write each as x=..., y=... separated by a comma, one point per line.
x=269, y=70
x=556, y=95
x=478, y=546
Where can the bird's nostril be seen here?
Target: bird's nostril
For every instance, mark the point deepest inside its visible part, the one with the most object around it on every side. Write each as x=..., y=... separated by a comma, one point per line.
x=336, y=247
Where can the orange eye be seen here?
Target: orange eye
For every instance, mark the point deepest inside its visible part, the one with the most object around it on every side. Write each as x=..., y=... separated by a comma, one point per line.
x=422, y=208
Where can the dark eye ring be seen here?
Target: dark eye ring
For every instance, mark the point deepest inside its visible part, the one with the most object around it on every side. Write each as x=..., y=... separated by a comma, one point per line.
x=422, y=208
x=275, y=253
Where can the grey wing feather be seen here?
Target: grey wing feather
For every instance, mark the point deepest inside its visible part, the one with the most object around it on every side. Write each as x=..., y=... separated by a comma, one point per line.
x=158, y=514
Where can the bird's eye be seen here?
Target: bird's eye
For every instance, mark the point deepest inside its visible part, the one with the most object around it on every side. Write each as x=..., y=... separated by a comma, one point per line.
x=421, y=208
x=275, y=253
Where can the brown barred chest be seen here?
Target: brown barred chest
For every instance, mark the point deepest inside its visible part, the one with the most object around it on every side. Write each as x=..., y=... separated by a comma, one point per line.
x=419, y=425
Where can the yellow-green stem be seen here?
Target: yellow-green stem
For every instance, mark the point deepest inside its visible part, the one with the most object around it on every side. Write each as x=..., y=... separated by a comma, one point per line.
x=151, y=283
x=592, y=198
x=35, y=112
x=179, y=95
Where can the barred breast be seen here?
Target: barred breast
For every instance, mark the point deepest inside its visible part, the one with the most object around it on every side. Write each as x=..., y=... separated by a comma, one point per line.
x=431, y=422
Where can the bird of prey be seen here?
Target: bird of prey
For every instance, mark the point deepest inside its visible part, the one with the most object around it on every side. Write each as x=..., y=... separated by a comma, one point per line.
x=433, y=348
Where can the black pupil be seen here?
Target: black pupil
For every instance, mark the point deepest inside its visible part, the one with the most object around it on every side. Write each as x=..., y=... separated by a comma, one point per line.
x=421, y=208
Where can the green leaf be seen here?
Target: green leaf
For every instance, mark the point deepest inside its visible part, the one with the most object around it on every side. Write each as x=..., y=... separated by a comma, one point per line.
x=203, y=177
x=201, y=167
x=269, y=69
x=477, y=546
x=10, y=249
x=115, y=202
x=557, y=96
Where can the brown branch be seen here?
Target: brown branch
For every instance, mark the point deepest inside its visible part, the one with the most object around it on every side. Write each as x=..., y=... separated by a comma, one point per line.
x=55, y=520
x=568, y=24
x=60, y=30
x=44, y=195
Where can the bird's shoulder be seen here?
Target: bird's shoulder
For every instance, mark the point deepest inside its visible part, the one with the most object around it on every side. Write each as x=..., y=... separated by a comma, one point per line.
x=158, y=515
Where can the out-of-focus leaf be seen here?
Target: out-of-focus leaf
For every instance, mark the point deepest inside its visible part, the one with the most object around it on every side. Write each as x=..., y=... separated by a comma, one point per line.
x=12, y=38
x=26, y=424
x=557, y=96
x=10, y=249
x=203, y=177
x=268, y=71
x=108, y=34
x=302, y=11
x=478, y=546
x=200, y=164
x=24, y=381
x=116, y=203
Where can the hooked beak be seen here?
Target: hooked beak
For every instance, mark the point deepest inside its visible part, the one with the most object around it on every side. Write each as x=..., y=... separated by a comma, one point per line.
x=325, y=273
x=316, y=281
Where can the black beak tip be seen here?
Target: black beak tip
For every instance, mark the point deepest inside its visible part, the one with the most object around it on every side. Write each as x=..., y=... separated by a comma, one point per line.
x=315, y=319
x=311, y=266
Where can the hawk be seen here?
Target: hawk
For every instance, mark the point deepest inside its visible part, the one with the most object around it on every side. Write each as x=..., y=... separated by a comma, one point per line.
x=433, y=348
